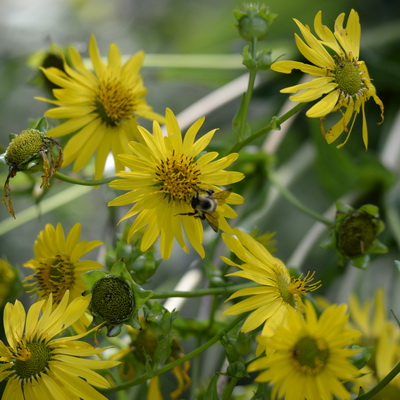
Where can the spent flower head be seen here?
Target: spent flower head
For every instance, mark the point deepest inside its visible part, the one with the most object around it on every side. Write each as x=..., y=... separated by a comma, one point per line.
x=37, y=365
x=100, y=107
x=342, y=80
x=173, y=184
x=30, y=151
x=308, y=357
x=116, y=298
x=355, y=234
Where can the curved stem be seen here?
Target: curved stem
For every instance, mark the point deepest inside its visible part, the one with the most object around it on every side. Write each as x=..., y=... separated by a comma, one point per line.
x=292, y=199
x=381, y=384
x=274, y=124
x=83, y=182
x=178, y=361
x=200, y=292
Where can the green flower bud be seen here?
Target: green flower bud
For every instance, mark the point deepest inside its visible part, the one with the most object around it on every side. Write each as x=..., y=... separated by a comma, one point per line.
x=112, y=300
x=356, y=234
x=254, y=21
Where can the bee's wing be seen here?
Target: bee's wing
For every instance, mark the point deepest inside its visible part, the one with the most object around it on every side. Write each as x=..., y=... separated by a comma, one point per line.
x=221, y=196
x=212, y=219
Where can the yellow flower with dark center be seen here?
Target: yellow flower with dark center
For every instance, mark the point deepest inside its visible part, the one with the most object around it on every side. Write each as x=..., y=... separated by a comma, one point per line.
x=342, y=79
x=57, y=263
x=279, y=292
x=308, y=358
x=166, y=173
x=101, y=107
x=38, y=366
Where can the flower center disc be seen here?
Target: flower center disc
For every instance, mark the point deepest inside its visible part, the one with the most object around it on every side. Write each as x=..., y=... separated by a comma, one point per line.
x=348, y=77
x=55, y=275
x=179, y=177
x=31, y=359
x=116, y=101
x=310, y=354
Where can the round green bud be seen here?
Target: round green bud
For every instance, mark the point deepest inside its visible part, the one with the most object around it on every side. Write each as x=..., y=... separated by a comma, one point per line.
x=253, y=27
x=356, y=234
x=24, y=147
x=112, y=300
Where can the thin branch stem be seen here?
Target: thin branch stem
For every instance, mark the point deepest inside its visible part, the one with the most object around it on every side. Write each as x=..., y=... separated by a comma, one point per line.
x=83, y=182
x=274, y=124
x=391, y=375
x=178, y=361
x=295, y=202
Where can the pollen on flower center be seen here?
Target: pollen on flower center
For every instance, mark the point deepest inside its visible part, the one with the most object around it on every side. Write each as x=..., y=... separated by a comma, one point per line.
x=116, y=102
x=310, y=354
x=348, y=77
x=54, y=275
x=31, y=359
x=179, y=176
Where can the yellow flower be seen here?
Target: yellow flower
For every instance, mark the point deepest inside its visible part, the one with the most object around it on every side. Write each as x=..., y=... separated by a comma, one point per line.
x=39, y=366
x=308, y=357
x=384, y=336
x=342, y=78
x=7, y=278
x=100, y=107
x=57, y=263
x=166, y=173
x=279, y=292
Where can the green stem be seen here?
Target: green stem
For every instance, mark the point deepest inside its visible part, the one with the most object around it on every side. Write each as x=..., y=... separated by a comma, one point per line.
x=200, y=292
x=178, y=361
x=381, y=384
x=229, y=389
x=83, y=182
x=295, y=202
x=274, y=124
x=249, y=92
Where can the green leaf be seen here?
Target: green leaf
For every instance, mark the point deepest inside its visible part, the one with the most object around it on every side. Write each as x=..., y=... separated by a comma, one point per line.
x=211, y=392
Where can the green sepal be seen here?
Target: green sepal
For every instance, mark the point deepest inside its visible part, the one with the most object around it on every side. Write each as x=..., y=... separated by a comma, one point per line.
x=211, y=392
x=361, y=358
x=41, y=125
x=91, y=277
x=140, y=295
x=248, y=60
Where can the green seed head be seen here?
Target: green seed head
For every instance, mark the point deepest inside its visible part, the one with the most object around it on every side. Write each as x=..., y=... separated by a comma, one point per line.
x=348, y=77
x=112, y=300
x=356, y=234
x=25, y=146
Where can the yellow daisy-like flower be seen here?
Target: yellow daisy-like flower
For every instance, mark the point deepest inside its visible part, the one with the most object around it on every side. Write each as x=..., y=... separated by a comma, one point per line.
x=308, y=357
x=383, y=335
x=57, y=265
x=39, y=366
x=342, y=79
x=279, y=292
x=101, y=107
x=167, y=173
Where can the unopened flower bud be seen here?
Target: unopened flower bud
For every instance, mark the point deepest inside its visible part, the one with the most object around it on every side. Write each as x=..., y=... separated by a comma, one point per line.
x=254, y=21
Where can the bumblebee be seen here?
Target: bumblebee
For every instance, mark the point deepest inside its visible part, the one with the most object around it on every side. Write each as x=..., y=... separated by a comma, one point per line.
x=205, y=205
